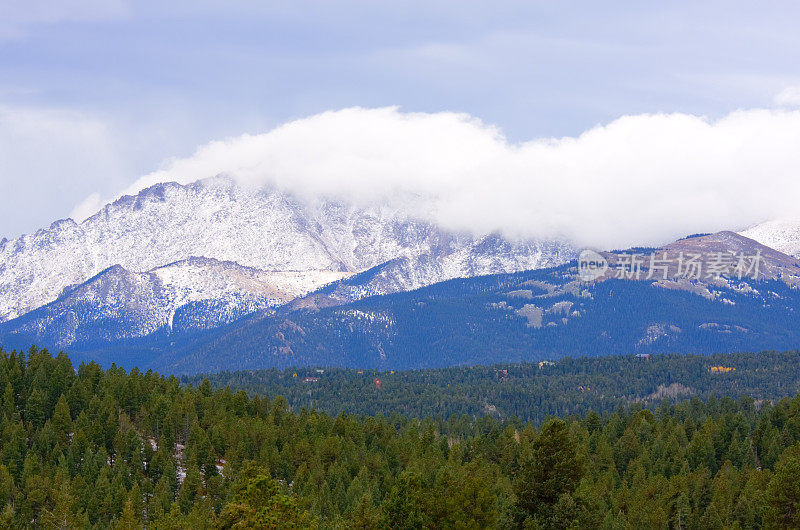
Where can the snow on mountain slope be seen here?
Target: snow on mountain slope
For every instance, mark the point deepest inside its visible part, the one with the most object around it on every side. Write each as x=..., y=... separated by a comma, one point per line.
x=197, y=293
x=197, y=279
x=488, y=255
x=781, y=234
x=263, y=229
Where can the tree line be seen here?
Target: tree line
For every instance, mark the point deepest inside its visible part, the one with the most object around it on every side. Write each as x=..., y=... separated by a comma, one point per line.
x=94, y=448
x=528, y=391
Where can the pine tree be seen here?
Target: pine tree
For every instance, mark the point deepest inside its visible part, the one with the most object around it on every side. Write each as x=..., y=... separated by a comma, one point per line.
x=363, y=516
x=7, y=487
x=549, y=468
x=35, y=409
x=259, y=502
x=62, y=421
x=62, y=515
x=9, y=403
x=129, y=520
x=405, y=507
x=783, y=494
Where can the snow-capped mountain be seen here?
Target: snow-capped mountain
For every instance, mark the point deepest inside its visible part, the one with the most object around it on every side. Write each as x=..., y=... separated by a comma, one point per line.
x=203, y=315
x=192, y=294
x=781, y=234
x=144, y=261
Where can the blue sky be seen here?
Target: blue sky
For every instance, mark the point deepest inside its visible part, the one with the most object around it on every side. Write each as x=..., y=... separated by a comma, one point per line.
x=95, y=94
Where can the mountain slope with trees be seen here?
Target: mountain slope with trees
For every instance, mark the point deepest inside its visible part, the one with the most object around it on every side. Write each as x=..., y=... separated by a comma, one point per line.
x=529, y=391
x=109, y=449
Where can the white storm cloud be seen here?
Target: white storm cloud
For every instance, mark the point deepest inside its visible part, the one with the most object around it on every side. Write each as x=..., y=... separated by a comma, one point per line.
x=641, y=179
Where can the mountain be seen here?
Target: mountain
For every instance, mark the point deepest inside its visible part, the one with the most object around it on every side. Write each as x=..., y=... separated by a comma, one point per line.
x=177, y=257
x=526, y=316
x=192, y=294
x=781, y=234
x=213, y=275
x=712, y=260
x=489, y=255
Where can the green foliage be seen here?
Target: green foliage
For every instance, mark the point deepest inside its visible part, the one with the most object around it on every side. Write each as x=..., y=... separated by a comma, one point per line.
x=114, y=449
x=260, y=503
x=549, y=470
x=783, y=493
x=528, y=391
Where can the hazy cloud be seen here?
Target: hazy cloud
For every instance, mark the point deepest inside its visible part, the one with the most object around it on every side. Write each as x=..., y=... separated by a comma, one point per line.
x=160, y=78
x=16, y=17
x=642, y=179
x=51, y=156
x=87, y=207
x=789, y=97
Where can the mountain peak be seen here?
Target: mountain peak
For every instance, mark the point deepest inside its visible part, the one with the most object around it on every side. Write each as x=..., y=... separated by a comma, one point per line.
x=263, y=229
x=724, y=241
x=710, y=258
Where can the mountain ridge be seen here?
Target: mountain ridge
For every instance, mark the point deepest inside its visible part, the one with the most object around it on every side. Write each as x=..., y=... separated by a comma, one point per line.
x=260, y=278
x=300, y=245
x=525, y=316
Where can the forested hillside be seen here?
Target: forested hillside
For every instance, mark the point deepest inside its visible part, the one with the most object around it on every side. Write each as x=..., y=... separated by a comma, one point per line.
x=529, y=391
x=92, y=448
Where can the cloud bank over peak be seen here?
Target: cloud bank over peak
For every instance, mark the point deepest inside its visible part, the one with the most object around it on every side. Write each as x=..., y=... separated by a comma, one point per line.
x=641, y=179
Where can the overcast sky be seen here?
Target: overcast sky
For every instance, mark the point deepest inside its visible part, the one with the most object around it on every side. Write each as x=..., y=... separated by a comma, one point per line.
x=94, y=94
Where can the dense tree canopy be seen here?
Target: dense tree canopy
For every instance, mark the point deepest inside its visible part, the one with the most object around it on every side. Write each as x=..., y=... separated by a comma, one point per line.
x=529, y=391
x=89, y=448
